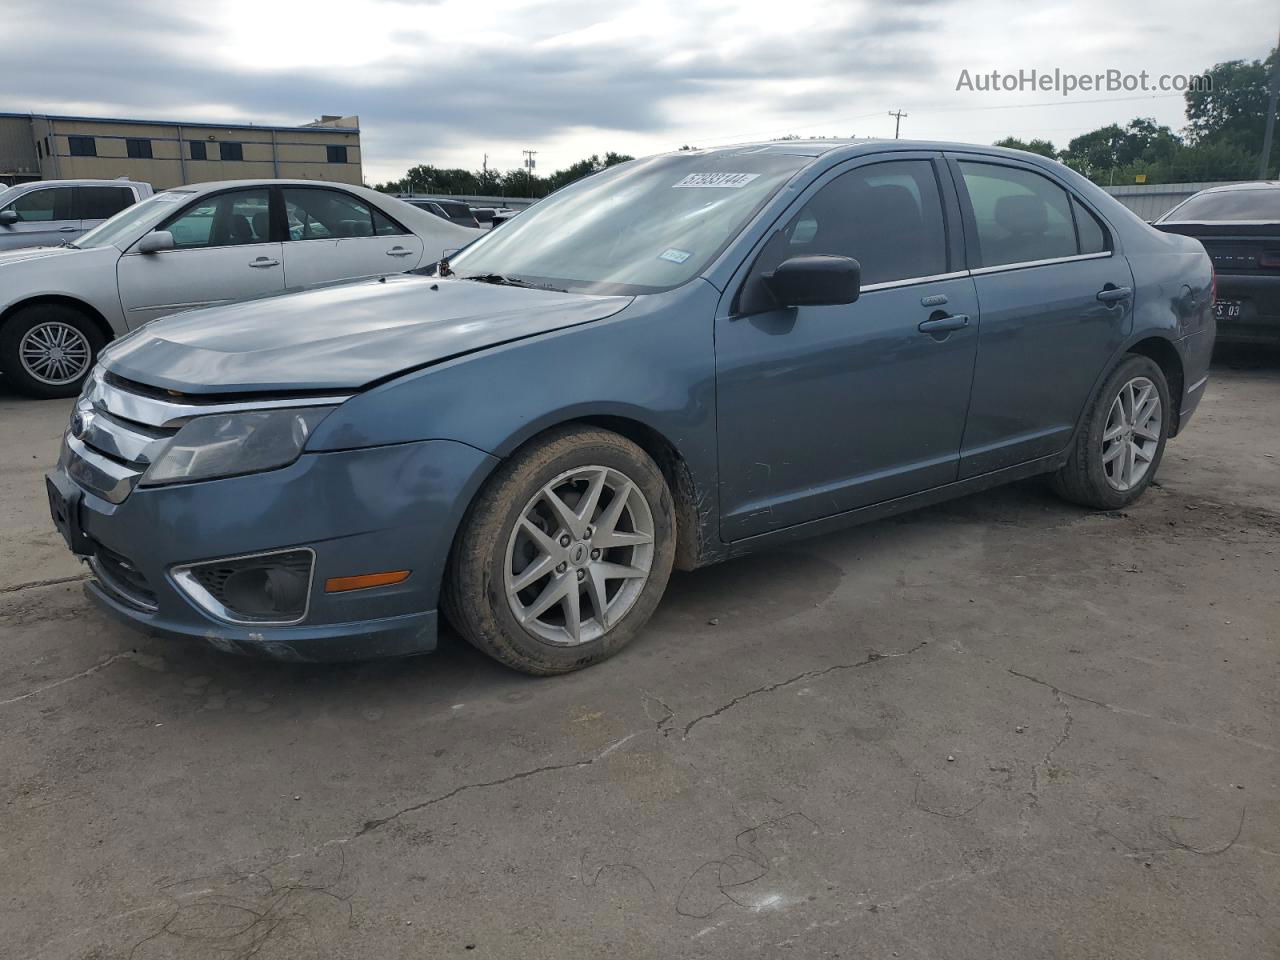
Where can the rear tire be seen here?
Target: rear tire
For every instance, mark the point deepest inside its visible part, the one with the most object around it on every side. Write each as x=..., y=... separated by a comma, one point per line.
x=564, y=554
x=1119, y=445
x=48, y=349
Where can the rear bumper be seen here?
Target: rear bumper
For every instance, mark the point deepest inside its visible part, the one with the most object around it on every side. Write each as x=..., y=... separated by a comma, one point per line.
x=1259, y=320
x=359, y=511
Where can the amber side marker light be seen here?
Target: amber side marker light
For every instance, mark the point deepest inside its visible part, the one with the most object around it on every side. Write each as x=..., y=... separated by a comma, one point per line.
x=365, y=580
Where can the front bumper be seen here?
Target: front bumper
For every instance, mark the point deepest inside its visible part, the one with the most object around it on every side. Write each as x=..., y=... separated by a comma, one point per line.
x=360, y=511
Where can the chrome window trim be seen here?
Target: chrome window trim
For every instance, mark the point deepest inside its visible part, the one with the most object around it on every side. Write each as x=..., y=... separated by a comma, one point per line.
x=910, y=281
x=1023, y=264
x=190, y=587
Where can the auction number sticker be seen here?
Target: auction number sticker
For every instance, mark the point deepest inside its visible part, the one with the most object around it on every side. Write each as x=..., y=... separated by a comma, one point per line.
x=733, y=181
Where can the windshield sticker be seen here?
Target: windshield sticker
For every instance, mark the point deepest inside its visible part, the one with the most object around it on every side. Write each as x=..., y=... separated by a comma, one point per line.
x=674, y=255
x=734, y=181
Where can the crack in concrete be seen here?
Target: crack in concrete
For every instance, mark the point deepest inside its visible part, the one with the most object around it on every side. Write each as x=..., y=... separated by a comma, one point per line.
x=122, y=655
x=51, y=582
x=1130, y=712
x=807, y=675
x=378, y=823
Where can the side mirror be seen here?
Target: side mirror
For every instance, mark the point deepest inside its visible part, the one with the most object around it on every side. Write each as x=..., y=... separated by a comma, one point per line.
x=156, y=241
x=815, y=281
x=8, y=217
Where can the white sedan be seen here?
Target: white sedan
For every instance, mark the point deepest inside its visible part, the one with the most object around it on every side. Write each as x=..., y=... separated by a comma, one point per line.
x=197, y=246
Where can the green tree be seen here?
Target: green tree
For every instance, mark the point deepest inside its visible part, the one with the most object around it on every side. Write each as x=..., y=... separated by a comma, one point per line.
x=1043, y=147
x=1234, y=111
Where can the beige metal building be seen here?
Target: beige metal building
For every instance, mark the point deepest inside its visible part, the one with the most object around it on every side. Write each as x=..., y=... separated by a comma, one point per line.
x=45, y=147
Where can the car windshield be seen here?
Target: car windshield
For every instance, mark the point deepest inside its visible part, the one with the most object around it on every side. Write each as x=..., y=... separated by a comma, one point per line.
x=138, y=218
x=1227, y=206
x=639, y=227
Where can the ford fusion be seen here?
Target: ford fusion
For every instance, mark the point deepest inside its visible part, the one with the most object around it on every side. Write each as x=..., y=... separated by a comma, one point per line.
x=667, y=364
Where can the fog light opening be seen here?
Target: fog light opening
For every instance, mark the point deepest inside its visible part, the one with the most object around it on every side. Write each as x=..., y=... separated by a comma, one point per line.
x=265, y=588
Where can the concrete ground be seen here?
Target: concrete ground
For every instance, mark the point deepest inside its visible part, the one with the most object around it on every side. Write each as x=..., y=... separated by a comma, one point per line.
x=1001, y=727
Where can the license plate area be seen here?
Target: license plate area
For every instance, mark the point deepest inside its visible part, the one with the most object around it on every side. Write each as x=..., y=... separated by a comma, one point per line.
x=64, y=509
x=1226, y=309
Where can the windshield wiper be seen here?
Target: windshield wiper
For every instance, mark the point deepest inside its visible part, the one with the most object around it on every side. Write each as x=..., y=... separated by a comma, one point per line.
x=510, y=281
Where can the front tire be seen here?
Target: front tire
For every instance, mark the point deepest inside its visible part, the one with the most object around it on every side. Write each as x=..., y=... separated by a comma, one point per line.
x=1121, y=441
x=564, y=554
x=48, y=349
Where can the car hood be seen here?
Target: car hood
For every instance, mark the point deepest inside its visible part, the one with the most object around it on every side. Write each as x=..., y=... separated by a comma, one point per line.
x=24, y=254
x=341, y=337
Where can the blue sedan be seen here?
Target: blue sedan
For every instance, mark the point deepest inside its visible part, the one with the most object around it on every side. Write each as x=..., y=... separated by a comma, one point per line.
x=664, y=365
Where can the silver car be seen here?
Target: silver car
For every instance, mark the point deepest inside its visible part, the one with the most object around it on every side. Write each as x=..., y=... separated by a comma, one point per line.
x=47, y=212
x=198, y=246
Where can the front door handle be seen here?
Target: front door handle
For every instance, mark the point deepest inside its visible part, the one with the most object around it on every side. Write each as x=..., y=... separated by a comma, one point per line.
x=957, y=321
x=1110, y=294
x=264, y=262
x=68, y=229
x=398, y=252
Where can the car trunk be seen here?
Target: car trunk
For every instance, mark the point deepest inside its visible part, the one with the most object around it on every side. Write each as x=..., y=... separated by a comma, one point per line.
x=1246, y=261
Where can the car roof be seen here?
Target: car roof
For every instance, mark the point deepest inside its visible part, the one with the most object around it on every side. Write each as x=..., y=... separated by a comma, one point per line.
x=75, y=182
x=839, y=148
x=261, y=182
x=1250, y=185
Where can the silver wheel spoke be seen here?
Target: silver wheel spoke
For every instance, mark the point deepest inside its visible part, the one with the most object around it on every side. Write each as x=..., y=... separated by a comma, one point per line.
x=567, y=518
x=551, y=594
x=572, y=605
x=532, y=573
x=616, y=571
x=599, y=595
x=558, y=584
x=1114, y=452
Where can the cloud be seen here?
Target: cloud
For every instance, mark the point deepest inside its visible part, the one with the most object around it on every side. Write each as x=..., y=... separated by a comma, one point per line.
x=443, y=81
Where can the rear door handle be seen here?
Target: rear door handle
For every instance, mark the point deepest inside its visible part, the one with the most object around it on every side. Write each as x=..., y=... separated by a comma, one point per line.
x=264, y=262
x=956, y=321
x=398, y=252
x=1114, y=294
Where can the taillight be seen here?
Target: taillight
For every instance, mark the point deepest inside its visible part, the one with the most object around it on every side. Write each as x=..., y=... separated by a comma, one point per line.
x=1270, y=260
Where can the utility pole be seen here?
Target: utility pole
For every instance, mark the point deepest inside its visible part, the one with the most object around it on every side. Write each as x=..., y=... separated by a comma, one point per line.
x=897, y=121
x=1271, y=119
x=530, y=163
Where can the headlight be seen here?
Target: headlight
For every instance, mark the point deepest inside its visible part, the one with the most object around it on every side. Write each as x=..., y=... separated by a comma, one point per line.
x=227, y=444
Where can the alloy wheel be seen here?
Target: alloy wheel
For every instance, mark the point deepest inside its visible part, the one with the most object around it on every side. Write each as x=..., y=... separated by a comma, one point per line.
x=1131, y=436
x=579, y=556
x=55, y=353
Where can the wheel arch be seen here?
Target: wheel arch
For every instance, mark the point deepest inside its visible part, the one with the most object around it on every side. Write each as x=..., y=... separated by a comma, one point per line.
x=692, y=507
x=61, y=300
x=1165, y=355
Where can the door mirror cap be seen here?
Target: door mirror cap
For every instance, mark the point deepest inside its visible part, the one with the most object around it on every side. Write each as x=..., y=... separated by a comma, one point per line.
x=815, y=281
x=8, y=217
x=156, y=241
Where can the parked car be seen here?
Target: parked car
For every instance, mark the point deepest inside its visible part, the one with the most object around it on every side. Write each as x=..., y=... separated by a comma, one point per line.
x=756, y=344
x=192, y=247
x=1239, y=225
x=455, y=211
x=47, y=212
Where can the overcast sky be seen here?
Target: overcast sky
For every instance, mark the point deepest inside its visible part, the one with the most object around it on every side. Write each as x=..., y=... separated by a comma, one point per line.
x=447, y=81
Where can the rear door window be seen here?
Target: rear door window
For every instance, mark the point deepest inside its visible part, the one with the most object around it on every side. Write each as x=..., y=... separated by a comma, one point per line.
x=317, y=214
x=99, y=203
x=1019, y=216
